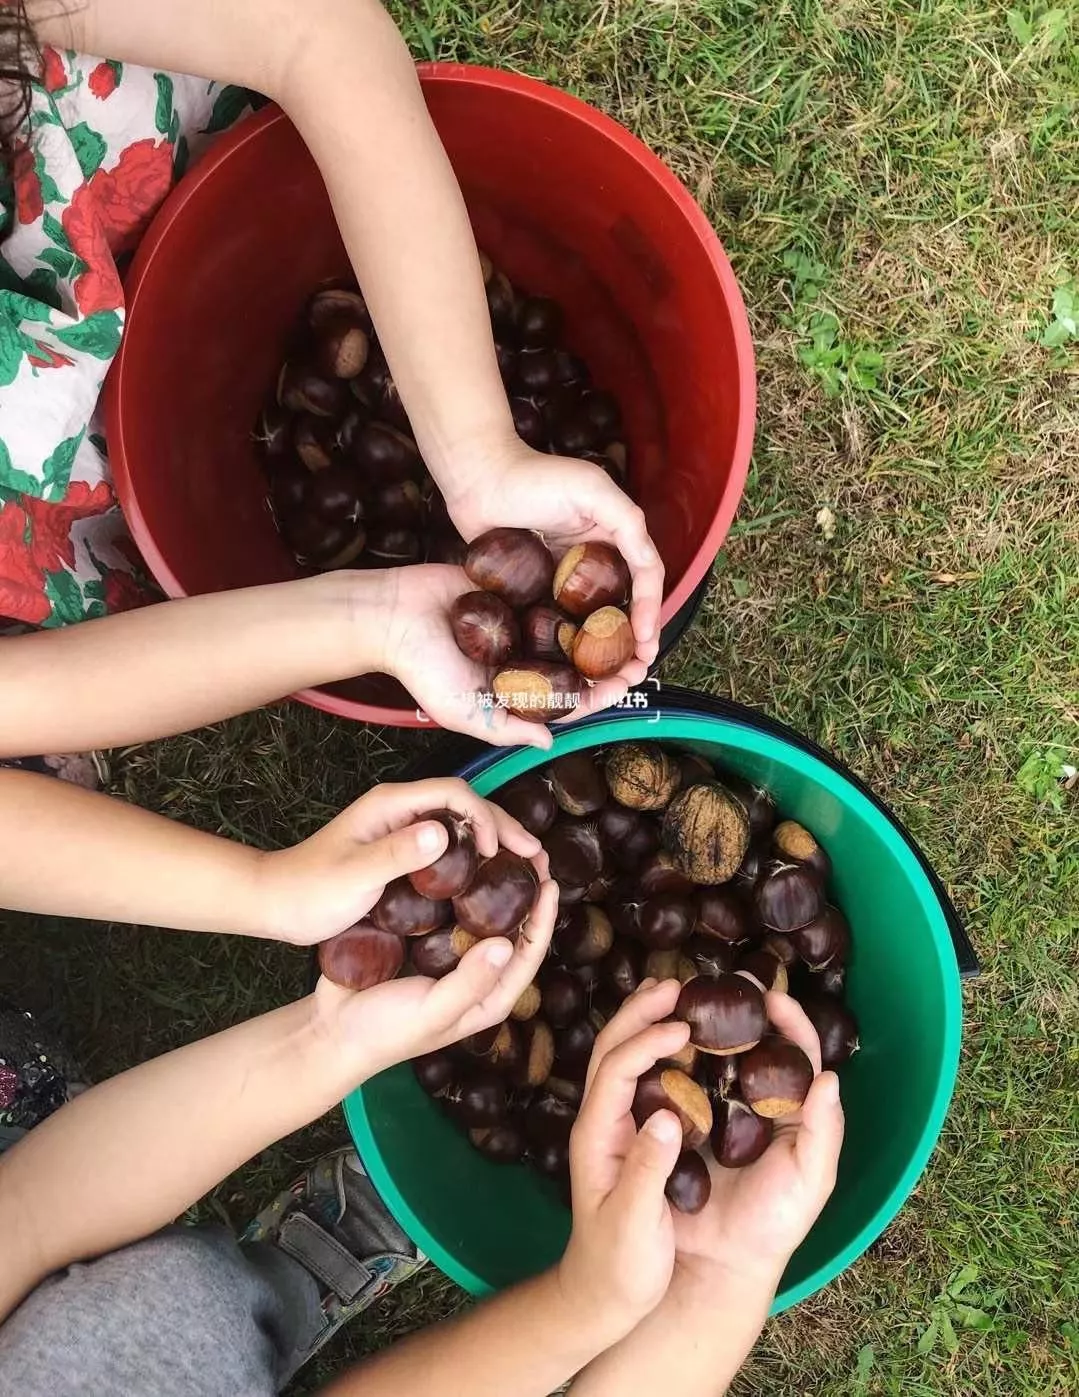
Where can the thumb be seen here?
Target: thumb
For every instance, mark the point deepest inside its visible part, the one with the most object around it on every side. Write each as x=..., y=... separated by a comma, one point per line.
x=820, y=1134
x=475, y=977
x=400, y=852
x=648, y=1165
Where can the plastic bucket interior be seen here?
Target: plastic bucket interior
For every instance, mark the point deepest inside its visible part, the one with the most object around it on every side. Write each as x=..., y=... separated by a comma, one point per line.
x=561, y=196
x=487, y=1225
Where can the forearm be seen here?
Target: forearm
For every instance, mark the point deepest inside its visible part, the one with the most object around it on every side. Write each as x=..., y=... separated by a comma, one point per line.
x=526, y=1341
x=691, y=1345
x=176, y=666
x=73, y=853
x=126, y=1157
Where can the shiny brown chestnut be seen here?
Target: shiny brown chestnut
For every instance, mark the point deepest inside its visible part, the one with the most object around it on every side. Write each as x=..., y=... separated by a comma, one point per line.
x=340, y=348
x=577, y=784
x=660, y=874
x=499, y=897
x=563, y=1089
x=780, y=946
x=689, y=1186
x=437, y=953
x=289, y=484
x=787, y=896
x=758, y=803
x=603, y=643
x=453, y=870
x=313, y=441
x=668, y=1089
x=335, y=305
x=506, y=1050
x=515, y=564
x=406, y=912
x=832, y=980
x=549, y=1121
x=665, y=921
x=752, y=866
x=547, y=634
x=718, y=1075
x=793, y=843
x=628, y=836
x=435, y=1072
x=539, y=322
x=768, y=971
x=335, y=494
x=589, y=576
x=739, y=1136
x=537, y=1054
x=621, y=969
x=361, y=957
x=723, y=914
x=528, y=423
x=693, y=769
x=507, y=356
x=573, y=1048
x=393, y=547
x=480, y=1100
x=709, y=955
x=707, y=832
x=824, y=941
x=395, y=504
x=484, y=628
x=574, y=852
x=501, y=1144
x=836, y=1026
x=300, y=388
x=604, y=413
x=535, y=373
x=562, y=997
x=583, y=936
x=641, y=775
x=530, y=801
x=725, y=1014
x=384, y=454
x=775, y=1077
x=538, y=690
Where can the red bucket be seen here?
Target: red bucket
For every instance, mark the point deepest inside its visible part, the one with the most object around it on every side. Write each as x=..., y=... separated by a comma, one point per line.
x=562, y=197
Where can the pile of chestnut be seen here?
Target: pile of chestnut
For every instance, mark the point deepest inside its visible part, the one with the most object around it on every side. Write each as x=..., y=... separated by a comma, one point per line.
x=347, y=485
x=666, y=869
x=540, y=628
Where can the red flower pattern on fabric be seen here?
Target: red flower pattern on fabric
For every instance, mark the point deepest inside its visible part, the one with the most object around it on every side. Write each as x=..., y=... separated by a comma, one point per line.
x=51, y=546
x=131, y=193
x=47, y=358
x=29, y=205
x=22, y=586
x=102, y=81
x=53, y=72
x=98, y=288
x=123, y=593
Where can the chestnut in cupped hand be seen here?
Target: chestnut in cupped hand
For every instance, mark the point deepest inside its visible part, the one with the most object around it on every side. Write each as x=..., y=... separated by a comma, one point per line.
x=500, y=896
x=739, y=1136
x=453, y=870
x=405, y=912
x=515, y=564
x=589, y=576
x=538, y=690
x=668, y=1089
x=689, y=1186
x=361, y=957
x=775, y=1077
x=484, y=628
x=604, y=643
x=725, y=1014
x=547, y=634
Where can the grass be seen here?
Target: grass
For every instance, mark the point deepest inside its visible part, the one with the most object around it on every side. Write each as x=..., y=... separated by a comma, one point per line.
x=897, y=185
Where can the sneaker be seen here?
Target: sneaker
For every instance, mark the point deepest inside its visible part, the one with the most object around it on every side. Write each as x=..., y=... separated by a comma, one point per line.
x=336, y=1226
x=37, y=1076
x=87, y=769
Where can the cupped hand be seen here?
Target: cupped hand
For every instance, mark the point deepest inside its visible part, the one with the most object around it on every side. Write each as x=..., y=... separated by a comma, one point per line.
x=621, y=1250
x=331, y=880
x=422, y=654
x=568, y=502
x=401, y=1019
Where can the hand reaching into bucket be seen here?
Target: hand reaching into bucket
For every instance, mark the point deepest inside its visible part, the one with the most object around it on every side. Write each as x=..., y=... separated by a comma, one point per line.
x=568, y=502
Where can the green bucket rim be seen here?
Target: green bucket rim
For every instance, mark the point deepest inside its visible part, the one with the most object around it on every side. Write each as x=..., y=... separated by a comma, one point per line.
x=504, y=767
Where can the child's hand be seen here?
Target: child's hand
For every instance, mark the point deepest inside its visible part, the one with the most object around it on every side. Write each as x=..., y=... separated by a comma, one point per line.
x=621, y=1252
x=320, y=887
x=421, y=652
x=757, y=1216
x=568, y=502
x=403, y=1018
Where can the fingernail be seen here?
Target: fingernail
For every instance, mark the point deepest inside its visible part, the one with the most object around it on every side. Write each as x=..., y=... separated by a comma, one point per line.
x=663, y=1127
x=429, y=838
x=498, y=954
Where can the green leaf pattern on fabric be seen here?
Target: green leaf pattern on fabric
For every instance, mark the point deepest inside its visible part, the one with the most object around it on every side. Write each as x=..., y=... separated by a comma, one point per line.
x=98, y=334
x=89, y=148
x=57, y=466
x=231, y=102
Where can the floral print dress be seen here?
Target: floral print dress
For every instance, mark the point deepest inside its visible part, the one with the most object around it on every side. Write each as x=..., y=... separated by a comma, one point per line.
x=103, y=145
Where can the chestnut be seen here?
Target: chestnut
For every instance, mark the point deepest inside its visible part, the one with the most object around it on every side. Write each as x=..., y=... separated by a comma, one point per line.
x=690, y=1184
x=395, y=504
x=366, y=387
x=535, y=373
x=573, y=1048
x=624, y=908
x=434, y=1072
x=537, y=1054
x=507, y=361
x=301, y=389
x=391, y=407
x=628, y=836
x=577, y=784
x=718, y=1075
x=527, y=1004
x=548, y=635
x=480, y=1100
x=530, y=800
x=604, y=643
x=793, y=843
x=453, y=870
x=693, y=769
x=563, y=1089
x=767, y=971
x=641, y=775
x=500, y=896
x=572, y=368
x=707, y=832
x=836, y=1026
x=436, y=953
x=484, y=628
x=709, y=955
x=335, y=494
x=669, y=964
x=361, y=956
x=548, y=1121
x=780, y=946
x=313, y=441
x=665, y=921
x=583, y=936
x=685, y=1059
x=572, y=432
x=604, y=414
x=321, y=542
x=832, y=979
x=528, y=423
x=787, y=896
x=539, y=322
x=621, y=969
x=505, y=1051
x=273, y=432
x=562, y=997
x=600, y=889
x=725, y=1014
x=393, y=547
x=502, y=1144
x=574, y=852
x=723, y=914
x=351, y=545
x=589, y=576
x=337, y=305
x=538, y=690
x=551, y=1159
x=340, y=349
x=824, y=940
x=758, y=803
x=668, y=1089
x=383, y=454
x=739, y=1136
x=405, y=912
x=752, y=866
x=502, y=304
x=289, y=483
x=587, y=974
x=775, y=1077
x=515, y=564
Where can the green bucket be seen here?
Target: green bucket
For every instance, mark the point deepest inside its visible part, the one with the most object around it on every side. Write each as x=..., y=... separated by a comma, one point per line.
x=487, y=1225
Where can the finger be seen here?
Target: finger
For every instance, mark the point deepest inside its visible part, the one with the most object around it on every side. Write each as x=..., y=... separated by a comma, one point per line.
x=639, y=1193
x=512, y=835
x=403, y=851
x=452, y=1001
x=594, y=698
x=638, y=1012
x=520, y=970
x=820, y=1136
x=624, y=524
x=499, y=727
x=394, y=804
x=788, y=1016
x=609, y=1095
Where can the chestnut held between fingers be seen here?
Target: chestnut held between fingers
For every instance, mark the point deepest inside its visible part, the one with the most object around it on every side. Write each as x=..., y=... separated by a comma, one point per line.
x=361, y=957
x=437, y=953
x=725, y=1014
x=589, y=576
x=453, y=870
x=406, y=912
x=739, y=1136
x=690, y=1184
x=538, y=690
x=500, y=896
x=514, y=564
x=668, y=1089
x=604, y=643
x=775, y=1077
